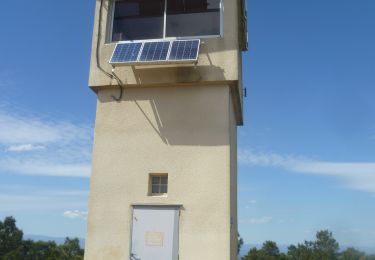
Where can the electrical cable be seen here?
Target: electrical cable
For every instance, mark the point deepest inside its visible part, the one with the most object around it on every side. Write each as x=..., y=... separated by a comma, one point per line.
x=113, y=75
x=121, y=85
x=98, y=42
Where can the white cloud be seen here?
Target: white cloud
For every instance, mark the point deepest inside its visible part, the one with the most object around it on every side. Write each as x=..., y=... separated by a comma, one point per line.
x=249, y=204
x=351, y=231
x=73, y=214
x=54, y=148
x=283, y=221
x=41, y=167
x=25, y=198
x=16, y=129
x=246, y=189
x=267, y=159
x=25, y=148
x=354, y=175
x=256, y=221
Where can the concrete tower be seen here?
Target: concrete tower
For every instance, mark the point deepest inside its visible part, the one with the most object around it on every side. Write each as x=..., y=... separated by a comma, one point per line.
x=164, y=173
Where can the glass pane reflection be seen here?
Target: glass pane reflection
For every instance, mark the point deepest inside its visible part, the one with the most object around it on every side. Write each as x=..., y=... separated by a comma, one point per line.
x=193, y=18
x=138, y=20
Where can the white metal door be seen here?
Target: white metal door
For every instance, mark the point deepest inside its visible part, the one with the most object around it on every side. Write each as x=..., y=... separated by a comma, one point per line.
x=154, y=233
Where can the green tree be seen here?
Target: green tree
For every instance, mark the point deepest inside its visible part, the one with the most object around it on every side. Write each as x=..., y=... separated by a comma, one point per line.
x=239, y=243
x=12, y=247
x=10, y=236
x=72, y=248
x=326, y=247
x=352, y=254
x=270, y=249
x=253, y=254
x=31, y=250
x=302, y=251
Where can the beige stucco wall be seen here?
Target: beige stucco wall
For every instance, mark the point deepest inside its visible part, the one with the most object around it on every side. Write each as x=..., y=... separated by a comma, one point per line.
x=173, y=119
x=187, y=132
x=219, y=60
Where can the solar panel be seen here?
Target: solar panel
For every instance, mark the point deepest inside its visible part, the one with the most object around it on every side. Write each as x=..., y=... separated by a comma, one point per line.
x=126, y=52
x=152, y=52
x=184, y=50
x=155, y=51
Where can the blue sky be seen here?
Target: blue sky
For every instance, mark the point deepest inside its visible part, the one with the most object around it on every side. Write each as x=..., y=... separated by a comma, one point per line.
x=306, y=152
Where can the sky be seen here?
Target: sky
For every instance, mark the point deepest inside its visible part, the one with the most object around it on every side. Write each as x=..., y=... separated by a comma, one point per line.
x=306, y=153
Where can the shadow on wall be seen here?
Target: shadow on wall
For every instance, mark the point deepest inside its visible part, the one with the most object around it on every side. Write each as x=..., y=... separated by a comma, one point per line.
x=180, y=74
x=193, y=115
x=205, y=70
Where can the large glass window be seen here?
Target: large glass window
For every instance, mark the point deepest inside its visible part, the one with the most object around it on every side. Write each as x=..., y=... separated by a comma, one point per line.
x=193, y=18
x=138, y=20
x=157, y=19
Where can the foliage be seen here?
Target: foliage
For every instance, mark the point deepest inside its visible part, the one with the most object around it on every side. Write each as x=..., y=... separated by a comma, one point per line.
x=253, y=254
x=269, y=251
x=10, y=236
x=352, y=254
x=239, y=243
x=13, y=247
x=325, y=247
x=302, y=251
x=270, y=248
x=72, y=248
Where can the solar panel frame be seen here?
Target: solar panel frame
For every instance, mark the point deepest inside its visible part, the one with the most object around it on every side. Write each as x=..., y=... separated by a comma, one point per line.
x=165, y=55
x=173, y=57
x=122, y=48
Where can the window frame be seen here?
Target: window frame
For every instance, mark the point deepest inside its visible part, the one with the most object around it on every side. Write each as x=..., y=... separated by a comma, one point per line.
x=111, y=17
x=150, y=184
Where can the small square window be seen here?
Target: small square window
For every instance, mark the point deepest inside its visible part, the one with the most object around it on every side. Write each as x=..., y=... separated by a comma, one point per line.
x=158, y=184
x=164, y=180
x=163, y=188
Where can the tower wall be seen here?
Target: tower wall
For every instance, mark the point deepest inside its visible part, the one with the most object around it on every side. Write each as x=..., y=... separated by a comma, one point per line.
x=173, y=119
x=219, y=60
x=187, y=132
